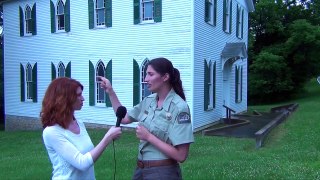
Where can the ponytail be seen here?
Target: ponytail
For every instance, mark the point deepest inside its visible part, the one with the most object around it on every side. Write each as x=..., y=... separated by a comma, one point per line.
x=176, y=83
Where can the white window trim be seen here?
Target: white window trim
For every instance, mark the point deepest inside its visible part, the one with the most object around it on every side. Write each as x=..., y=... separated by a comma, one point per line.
x=29, y=97
x=211, y=12
x=96, y=25
x=25, y=21
x=58, y=70
x=228, y=14
x=97, y=85
x=142, y=20
x=57, y=17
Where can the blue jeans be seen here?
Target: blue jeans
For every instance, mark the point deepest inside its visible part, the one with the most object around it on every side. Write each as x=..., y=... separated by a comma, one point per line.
x=171, y=172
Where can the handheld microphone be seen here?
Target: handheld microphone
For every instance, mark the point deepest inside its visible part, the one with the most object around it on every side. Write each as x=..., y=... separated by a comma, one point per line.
x=121, y=113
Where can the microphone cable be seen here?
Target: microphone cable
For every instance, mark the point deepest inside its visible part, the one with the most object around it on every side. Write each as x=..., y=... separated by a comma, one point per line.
x=114, y=160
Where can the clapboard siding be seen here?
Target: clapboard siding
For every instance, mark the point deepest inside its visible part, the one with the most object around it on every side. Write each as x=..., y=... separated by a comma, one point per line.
x=209, y=42
x=120, y=43
x=184, y=38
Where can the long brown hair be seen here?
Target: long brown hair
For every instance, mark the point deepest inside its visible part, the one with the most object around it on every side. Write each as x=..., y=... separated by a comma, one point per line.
x=163, y=66
x=57, y=104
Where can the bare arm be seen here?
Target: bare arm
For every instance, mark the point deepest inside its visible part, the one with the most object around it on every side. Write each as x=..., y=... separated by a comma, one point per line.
x=106, y=85
x=179, y=153
x=113, y=133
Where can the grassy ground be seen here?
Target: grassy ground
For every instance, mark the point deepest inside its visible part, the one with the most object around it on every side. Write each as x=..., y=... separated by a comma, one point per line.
x=291, y=151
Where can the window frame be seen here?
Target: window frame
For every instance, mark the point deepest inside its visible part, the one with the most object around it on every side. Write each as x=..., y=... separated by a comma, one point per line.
x=96, y=14
x=61, y=65
x=28, y=20
x=143, y=84
x=29, y=83
x=98, y=89
x=59, y=17
x=143, y=12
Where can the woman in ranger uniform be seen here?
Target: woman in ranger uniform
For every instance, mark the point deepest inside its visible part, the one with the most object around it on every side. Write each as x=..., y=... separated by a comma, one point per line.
x=164, y=129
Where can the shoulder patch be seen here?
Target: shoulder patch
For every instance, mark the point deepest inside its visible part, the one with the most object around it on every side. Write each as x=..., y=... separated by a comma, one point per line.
x=184, y=118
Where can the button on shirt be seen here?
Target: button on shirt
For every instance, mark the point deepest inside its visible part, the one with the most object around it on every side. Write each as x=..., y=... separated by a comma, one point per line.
x=171, y=123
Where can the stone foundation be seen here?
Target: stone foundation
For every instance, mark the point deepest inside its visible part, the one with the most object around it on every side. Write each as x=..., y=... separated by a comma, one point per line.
x=22, y=123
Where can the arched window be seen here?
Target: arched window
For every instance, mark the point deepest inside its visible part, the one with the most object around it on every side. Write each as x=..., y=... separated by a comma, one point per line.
x=144, y=89
x=29, y=81
x=61, y=70
x=100, y=71
x=60, y=15
x=28, y=20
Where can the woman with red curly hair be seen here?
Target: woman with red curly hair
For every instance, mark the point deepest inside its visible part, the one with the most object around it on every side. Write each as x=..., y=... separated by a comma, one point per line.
x=69, y=146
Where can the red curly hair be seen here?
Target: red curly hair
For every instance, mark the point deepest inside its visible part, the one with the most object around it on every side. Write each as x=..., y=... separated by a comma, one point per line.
x=57, y=104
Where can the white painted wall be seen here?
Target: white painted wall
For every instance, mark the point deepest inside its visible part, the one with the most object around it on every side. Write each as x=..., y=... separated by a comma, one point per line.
x=121, y=43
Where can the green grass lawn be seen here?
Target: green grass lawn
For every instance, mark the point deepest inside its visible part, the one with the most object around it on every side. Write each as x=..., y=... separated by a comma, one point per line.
x=291, y=151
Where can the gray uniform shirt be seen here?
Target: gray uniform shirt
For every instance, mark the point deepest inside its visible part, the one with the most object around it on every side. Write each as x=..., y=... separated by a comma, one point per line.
x=171, y=123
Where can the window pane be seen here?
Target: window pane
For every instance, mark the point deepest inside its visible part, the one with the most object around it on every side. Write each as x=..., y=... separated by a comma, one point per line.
x=148, y=10
x=100, y=4
x=61, y=22
x=28, y=13
x=60, y=8
x=100, y=17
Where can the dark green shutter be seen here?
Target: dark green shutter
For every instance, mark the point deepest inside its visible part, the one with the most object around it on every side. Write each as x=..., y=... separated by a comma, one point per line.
x=21, y=21
x=206, y=11
x=214, y=85
x=136, y=83
x=215, y=13
x=108, y=13
x=108, y=74
x=34, y=19
x=224, y=26
x=242, y=15
x=238, y=21
x=91, y=84
x=236, y=84
x=157, y=10
x=53, y=17
x=67, y=15
x=230, y=16
x=136, y=11
x=34, y=83
x=68, y=70
x=91, y=14
x=22, y=83
x=53, y=71
x=206, y=86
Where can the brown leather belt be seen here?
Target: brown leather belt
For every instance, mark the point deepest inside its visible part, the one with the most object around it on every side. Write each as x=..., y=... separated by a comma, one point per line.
x=155, y=163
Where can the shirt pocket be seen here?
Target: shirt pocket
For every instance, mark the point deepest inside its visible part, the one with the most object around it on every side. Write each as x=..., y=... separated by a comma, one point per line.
x=160, y=129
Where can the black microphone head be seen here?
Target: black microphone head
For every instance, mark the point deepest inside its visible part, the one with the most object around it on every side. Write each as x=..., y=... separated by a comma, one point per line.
x=121, y=112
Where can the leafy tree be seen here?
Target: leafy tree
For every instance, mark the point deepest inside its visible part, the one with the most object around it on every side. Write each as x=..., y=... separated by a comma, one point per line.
x=285, y=35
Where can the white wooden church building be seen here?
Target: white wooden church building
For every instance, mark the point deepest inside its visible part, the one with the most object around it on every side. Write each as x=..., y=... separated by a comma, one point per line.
x=206, y=40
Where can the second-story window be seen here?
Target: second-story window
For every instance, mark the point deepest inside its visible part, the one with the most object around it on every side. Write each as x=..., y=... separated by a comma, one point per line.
x=227, y=16
x=100, y=17
x=211, y=11
x=100, y=13
x=60, y=15
x=28, y=20
x=239, y=25
x=147, y=11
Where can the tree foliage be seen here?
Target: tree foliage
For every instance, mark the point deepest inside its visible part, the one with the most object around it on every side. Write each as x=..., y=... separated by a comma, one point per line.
x=284, y=48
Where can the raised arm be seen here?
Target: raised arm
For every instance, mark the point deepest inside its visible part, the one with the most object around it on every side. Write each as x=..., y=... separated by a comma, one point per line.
x=106, y=85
